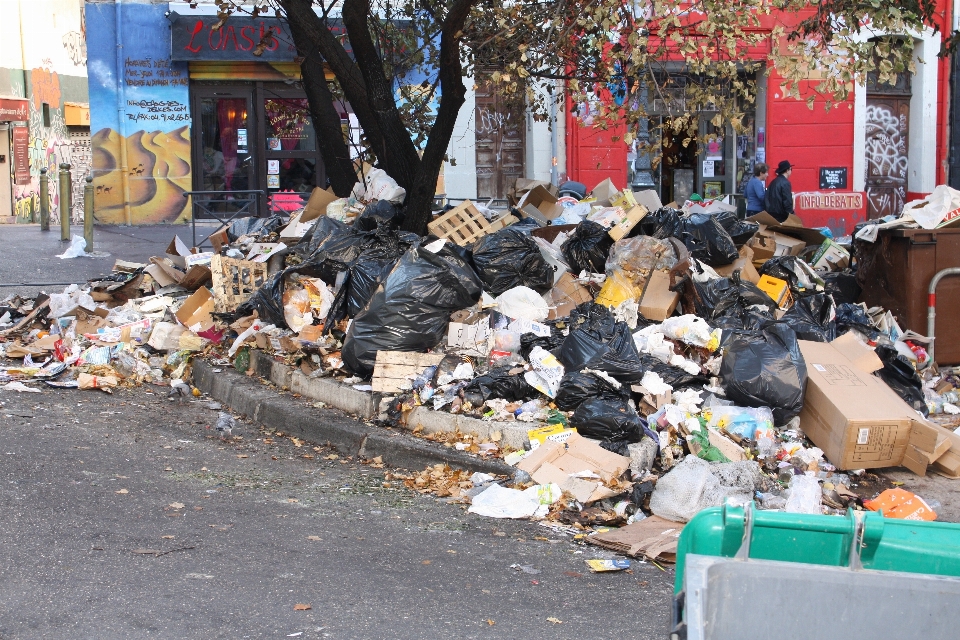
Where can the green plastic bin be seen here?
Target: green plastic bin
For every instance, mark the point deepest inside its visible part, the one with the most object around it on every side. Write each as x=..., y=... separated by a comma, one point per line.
x=747, y=573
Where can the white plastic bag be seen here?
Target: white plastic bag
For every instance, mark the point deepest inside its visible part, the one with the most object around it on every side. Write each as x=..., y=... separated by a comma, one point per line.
x=72, y=297
x=76, y=249
x=805, y=496
x=931, y=211
x=377, y=185
x=500, y=502
x=523, y=303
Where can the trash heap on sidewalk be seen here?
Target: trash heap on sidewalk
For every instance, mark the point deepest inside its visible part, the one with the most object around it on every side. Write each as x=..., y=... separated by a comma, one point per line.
x=662, y=359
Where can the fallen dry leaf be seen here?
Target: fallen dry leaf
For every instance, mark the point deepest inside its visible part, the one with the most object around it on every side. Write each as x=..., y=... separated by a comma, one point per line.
x=169, y=469
x=302, y=607
x=292, y=500
x=332, y=456
x=122, y=491
x=490, y=622
x=176, y=505
x=243, y=455
x=426, y=562
x=315, y=538
x=167, y=537
x=555, y=620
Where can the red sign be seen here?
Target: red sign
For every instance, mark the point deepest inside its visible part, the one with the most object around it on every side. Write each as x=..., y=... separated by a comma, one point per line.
x=839, y=210
x=21, y=155
x=14, y=110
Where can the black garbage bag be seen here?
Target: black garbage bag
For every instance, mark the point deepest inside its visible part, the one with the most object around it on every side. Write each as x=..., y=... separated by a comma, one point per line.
x=411, y=310
x=610, y=420
x=673, y=376
x=267, y=301
x=322, y=231
x=587, y=248
x=740, y=230
x=812, y=318
x=551, y=343
x=576, y=388
x=901, y=376
x=500, y=383
x=782, y=267
x=508, y=259
x=253, y=226
x=732, y=303
x=661, y=224
x=765, y=369
x=843, y=286
x=381, y=213
x=593, y=332
x=707, y=240
x=852, y=316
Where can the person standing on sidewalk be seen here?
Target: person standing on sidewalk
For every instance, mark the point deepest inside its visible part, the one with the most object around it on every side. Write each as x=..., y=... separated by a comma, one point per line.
x=778, y=200
x=755, y=190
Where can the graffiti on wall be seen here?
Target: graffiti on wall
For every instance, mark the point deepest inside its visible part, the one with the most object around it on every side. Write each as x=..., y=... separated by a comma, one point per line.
x=139, y=115
x=75, y=42
x=886, y=156
x=49, y=145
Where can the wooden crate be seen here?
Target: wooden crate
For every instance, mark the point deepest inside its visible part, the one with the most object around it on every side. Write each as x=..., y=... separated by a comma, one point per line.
x=234, y=281
x=461, y=225
x=394, y=369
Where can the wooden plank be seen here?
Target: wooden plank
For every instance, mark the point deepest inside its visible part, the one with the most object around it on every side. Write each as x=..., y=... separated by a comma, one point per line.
x=234, y=281
x=461, y=225
x=394, y=368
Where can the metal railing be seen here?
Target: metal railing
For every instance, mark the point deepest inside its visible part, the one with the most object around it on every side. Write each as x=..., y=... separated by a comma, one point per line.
x=224, y=207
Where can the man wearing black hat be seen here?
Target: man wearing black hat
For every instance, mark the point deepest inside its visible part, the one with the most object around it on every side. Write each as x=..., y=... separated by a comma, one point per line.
x=778, y=201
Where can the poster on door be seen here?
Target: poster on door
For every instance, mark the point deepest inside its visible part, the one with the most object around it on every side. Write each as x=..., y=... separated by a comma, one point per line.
x=21, y=155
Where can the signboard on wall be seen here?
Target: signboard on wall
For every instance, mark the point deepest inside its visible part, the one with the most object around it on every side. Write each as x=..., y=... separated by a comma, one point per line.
x=833, y=177
x=21, y=155
x=14, y=110
x=840, y=211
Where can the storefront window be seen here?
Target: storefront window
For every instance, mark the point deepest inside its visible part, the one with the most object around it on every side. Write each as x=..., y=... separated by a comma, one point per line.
x=288, y=125
x=225, y=143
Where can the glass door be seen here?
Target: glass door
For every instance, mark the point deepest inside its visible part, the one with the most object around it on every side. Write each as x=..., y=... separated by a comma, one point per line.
x=226, y=156
x=289, y=143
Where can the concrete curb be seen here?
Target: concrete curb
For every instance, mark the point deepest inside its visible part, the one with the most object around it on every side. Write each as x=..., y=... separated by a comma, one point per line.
x=350, y=436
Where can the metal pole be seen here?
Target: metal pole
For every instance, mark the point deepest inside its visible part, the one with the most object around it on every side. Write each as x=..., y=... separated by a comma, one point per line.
x=44, y=200
x=88, y=213
x=932, y=306
x=65, y=191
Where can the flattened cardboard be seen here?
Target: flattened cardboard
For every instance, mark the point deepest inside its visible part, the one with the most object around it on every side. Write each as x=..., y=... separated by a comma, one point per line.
x=605, y=192
x=653, y=537
x=195, y=312
x=177, y=251
x=853, y=416
x=658, y=302
x=626, y=224
x=648, y=198
x=196, y=277
x=160, y=275
x=219, y=240
x=792, y=226
x=317, y=204
x=861, y=355
x=165, y=264
x=578, y=454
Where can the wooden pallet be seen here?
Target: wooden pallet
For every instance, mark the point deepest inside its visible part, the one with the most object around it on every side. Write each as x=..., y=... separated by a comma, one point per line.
x=462, y=225
x=394, y=370
x=234, y=281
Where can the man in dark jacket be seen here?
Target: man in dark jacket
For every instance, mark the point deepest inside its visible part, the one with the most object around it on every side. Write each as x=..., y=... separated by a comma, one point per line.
x=778, y=200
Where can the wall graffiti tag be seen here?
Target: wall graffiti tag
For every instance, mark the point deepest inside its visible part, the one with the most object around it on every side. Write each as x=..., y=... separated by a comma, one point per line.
x=886, y=156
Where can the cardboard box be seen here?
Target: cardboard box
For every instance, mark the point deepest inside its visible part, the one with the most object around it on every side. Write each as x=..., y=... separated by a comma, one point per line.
x=853, y=416
x=163, y=271
x=777, y=289
x=177, y=252
x=792, y=226
x=195, y=312
x=763, y=246
x=625, y=199
x=522, y=186
x=627, y=222
x=649, y=199
x=552, y=433
x=540, y=205
x=831, y=256
x=550, y=233
x=787, y=246
x=317, y=204
x=743, y=264
x=658, y=302
x=604, y=193
x=219, y=240
x=555, y=462
x=567, y=295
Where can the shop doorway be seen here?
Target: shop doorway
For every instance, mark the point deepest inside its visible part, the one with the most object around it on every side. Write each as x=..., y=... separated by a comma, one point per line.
x=6, y=174
x=888, y=121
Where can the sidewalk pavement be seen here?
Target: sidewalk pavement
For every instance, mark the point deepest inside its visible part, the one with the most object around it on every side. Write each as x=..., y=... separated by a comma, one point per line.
x=29, y=262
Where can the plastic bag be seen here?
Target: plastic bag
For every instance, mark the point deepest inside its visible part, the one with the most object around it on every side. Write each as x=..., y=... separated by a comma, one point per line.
x=707, y=240
x=377, y=185
x=736, y=301
x=551, y=343
x=381, y=213
x=805, y=496
x=692, y=330
x=323, y=230
x=813, y=318
x=843, y=286
x=411, y=310
x=740, y=230
x=765, y=369
x=595, y=332
x=799, y=275
x=578, y=387
x=267, y=301
x=76, y=249
x=587, y=247
x=662, y=224
x=747, y=422
x=508, y=259
x=854, y=316
x=523, y=303
x=689, y=488
x=608, y=420
x=296, y=309
x=901, y=376
x=500, y=383
x=253, y=227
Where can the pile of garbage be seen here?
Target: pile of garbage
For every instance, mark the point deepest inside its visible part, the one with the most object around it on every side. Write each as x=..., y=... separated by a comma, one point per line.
x=661, y=359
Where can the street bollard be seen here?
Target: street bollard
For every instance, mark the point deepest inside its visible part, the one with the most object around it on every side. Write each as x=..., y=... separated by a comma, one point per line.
x=44, y=200
x=88, y=213
x=65, y=191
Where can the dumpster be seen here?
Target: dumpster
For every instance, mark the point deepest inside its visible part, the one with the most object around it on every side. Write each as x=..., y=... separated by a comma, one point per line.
x=743, y=573
x=895, y=272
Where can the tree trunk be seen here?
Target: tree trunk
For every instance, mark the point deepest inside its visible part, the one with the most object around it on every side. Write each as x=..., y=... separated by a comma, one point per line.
x=326, y=120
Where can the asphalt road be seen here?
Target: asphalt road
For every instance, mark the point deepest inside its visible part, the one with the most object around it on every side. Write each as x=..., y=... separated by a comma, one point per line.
x=124, y=516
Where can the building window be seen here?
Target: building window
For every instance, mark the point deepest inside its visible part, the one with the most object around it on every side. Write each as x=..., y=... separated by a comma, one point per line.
x=46, y=114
